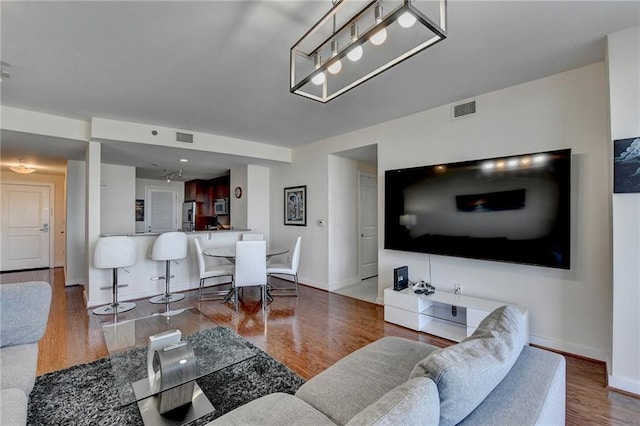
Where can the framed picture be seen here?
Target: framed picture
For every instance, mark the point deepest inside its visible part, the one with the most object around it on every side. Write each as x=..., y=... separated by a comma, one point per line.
x=295, y=205
x=139, y=210
x=626, y=165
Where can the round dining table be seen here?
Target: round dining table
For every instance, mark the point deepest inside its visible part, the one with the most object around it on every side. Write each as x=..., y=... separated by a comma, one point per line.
x=229, y=253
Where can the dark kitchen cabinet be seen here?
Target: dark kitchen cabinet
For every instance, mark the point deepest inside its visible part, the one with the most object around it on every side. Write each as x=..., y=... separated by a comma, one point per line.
x=204, y=193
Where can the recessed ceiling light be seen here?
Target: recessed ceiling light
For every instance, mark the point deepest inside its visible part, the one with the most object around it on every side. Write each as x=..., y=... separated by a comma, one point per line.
x=183, y=160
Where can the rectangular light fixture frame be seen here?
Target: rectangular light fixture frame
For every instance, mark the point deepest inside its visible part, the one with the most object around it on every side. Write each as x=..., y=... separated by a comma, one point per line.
x=307, y=50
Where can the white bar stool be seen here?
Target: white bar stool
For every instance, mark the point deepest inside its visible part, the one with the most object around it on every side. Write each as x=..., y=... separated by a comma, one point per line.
x=170, y=246
x=114, y=253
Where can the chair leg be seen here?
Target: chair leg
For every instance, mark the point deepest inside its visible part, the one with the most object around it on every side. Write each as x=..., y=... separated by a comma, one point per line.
x=263, y=290
x=235, y=299
x=287, y=289
x=167, y=297
x=114, y=307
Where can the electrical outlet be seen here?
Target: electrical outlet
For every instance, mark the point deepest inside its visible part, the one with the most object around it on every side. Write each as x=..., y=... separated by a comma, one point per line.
x=457, y=288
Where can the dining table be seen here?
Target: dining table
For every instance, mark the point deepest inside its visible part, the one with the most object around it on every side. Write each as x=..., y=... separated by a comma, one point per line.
x=229, y=253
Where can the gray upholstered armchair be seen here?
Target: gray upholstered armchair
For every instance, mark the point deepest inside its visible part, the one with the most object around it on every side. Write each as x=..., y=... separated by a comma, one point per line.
x=24, y=310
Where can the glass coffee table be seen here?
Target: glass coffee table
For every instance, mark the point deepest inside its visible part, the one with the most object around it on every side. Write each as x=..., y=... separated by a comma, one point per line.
x=200, y=348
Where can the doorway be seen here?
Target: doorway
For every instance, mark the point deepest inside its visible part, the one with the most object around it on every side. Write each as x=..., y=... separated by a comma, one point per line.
x=368, y=224
x=161, y=212
x=353, y=242
x=27, y=226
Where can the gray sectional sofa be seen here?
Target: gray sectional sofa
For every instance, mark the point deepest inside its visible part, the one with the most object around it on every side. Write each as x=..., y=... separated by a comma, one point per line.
x=490, y=378
x=24, y=310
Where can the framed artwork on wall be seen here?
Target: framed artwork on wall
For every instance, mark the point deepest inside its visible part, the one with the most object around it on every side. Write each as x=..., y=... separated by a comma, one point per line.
x=626, y=165
x=295, y=205
x=139, y=210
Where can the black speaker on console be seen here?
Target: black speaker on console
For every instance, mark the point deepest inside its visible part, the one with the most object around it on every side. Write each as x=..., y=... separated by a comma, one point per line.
x=400, y=278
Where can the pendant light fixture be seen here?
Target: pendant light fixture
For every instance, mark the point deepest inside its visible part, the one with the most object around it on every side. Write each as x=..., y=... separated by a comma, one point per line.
x=22, y=168
x=373, y=35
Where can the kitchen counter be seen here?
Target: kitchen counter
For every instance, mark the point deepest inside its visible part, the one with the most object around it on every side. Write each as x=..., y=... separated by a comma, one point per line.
x=155, y=234
x=185, y=271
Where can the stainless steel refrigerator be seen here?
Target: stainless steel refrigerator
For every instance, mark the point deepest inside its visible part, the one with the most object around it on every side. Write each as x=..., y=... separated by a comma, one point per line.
x=189, y=216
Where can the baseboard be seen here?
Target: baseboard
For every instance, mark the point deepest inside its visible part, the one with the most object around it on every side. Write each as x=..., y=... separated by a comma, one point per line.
x=344, y=283
x=570, y=348
x=625, y=385
x=76, y=281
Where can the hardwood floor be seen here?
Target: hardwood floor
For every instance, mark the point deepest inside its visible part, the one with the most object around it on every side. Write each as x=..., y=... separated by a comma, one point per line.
x=308, y=334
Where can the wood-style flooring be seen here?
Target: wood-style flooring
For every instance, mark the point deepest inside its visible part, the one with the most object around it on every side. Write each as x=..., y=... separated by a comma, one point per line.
x=308, y=334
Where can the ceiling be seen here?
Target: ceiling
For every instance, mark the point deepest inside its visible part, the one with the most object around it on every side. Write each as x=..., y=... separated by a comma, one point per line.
x=221, y=67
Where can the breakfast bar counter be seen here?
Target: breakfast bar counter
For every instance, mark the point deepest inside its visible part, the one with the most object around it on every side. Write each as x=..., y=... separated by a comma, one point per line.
x=138, y=279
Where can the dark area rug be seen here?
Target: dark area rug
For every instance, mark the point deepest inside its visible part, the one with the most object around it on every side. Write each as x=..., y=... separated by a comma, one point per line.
x=86, y=394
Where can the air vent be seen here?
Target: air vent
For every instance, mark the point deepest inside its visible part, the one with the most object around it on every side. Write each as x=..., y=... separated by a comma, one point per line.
x=463, y=110
x=184, y=137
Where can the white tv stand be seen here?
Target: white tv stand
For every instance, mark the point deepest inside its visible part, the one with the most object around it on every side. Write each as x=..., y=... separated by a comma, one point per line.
x=447, y=315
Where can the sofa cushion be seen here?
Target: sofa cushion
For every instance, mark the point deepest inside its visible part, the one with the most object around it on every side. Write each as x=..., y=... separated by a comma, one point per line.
x=467, y=372
x=275, y=409
x=13, y=407
x=24, y=312
x=362, y=377
x=415, y=402
x=18, y=367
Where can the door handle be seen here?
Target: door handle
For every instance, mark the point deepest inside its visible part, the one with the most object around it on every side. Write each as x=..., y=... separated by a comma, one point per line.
x=45, y=228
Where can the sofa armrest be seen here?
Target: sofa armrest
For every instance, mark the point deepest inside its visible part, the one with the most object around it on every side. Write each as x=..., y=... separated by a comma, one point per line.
x=24, y=310
x=533, y=393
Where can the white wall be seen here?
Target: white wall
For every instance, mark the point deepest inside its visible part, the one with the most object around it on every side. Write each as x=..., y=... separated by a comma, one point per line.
x=569, y=310
x=624, y=105
x=257, y=199
x=238, y=206
x=343, y=222
x=76, y=253
x=117, y=199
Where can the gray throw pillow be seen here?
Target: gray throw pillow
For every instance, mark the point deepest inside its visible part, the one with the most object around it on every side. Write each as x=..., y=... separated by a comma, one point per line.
x=467, y=372
x=414, y=402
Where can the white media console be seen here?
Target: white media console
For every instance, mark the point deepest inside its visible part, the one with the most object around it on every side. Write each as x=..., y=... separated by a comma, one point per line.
x=447, y=315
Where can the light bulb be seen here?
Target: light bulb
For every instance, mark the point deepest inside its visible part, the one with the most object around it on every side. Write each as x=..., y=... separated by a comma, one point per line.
x=336, y=67
x=378, y=38
x=355, y=54
x=407, y=20
x=318, y=79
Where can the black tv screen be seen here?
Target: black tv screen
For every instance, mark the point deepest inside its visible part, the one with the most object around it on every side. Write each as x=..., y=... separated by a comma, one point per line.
x=510, y=209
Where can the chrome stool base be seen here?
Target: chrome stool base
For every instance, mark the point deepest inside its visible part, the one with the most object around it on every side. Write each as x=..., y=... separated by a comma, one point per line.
x=166, y=298
x=113, y=309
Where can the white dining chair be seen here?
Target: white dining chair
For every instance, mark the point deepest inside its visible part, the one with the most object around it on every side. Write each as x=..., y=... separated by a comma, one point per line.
x=207, y=270
x=251, y=268
x=287, y=269
x=252, y=236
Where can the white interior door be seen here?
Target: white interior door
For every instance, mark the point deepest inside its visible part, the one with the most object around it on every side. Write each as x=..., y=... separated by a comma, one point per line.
x=368, y=226
x=25, y=225
x=161, y=209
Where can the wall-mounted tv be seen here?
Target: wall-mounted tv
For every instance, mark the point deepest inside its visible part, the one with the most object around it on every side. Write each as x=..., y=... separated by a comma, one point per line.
x=510, y=209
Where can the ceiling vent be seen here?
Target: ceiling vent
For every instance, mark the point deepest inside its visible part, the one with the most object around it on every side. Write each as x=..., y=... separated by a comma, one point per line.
x=184, y=137
x=464, y=110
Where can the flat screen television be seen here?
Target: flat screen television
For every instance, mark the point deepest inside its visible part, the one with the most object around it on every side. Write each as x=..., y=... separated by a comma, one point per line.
x=509, y=209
